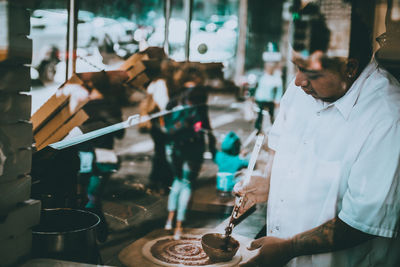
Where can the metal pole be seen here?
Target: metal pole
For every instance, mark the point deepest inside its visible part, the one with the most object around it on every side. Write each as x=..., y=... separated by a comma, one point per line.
x=72, y=33
x=67, y=41
x=167, y=15
x=188, y=18
x=241, y=47
x=75, y=35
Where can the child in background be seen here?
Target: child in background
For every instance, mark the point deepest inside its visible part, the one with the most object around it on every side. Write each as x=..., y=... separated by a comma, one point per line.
x=229, y=161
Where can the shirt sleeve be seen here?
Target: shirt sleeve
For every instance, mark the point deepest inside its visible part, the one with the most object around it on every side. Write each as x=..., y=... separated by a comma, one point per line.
x=277, y=127
x=371, y=202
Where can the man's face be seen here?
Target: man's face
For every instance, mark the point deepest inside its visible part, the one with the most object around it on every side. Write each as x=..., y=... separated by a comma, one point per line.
x=321, y=83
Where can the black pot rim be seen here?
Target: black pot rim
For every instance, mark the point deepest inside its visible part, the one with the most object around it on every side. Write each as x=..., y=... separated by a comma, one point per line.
x=71, y=231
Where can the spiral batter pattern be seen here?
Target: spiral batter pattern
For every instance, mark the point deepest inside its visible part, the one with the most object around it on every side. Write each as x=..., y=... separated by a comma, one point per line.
x=186, y=251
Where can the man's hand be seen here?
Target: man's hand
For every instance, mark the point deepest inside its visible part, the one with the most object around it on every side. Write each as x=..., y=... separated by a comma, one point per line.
x=274, y=252
x=255, y=191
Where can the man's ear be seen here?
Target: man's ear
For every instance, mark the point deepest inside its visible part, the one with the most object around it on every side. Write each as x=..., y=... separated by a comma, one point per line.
x=352, y=68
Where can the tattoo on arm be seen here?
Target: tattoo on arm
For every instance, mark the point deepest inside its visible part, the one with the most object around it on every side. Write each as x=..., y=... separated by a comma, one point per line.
x=331, y=236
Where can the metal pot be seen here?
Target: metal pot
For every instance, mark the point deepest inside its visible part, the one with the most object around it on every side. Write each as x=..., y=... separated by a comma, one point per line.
x=66, y=234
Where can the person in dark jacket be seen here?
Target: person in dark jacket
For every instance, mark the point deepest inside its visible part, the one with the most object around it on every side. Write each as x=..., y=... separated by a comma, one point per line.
x=187, y=128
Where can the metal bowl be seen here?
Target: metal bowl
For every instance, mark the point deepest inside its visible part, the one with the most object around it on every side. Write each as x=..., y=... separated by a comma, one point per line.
x=66, y=234
x=218, y=248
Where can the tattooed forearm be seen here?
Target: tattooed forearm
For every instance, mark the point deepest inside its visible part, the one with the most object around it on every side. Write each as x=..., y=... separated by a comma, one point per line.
x=319, y=238
x=330, y=236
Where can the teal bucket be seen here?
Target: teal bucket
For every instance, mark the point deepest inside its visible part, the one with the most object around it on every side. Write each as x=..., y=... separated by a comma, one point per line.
x=225, y=181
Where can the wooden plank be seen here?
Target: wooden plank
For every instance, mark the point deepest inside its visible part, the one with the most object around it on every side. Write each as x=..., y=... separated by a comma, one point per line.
x=132, y=60
x=55, y=123
x=79, y=118
x=50, y=107
x=17, y=162
x=14, y=77
x=51, y=126
x=21, y=218
x=15, y=107
x=16, y=135
x=13, y=250
x=14, y=192
x=136, y=69
x=140, y=80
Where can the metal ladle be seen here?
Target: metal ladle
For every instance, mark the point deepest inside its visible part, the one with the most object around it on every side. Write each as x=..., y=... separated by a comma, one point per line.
x=223, y=247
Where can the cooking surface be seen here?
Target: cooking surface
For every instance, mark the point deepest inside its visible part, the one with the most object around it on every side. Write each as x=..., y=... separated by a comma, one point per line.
x=187, y=251
x=132, y=255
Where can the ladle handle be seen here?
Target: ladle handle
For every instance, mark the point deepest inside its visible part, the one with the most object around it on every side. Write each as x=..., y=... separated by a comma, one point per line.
x=239, y=200
x=253, y=158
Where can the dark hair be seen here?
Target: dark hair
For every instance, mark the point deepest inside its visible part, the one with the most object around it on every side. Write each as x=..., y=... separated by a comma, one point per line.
x=197, y=95
x=361, y=32
x=191, y=73
x=319, y=33
x=167, y=69
x=360, y=39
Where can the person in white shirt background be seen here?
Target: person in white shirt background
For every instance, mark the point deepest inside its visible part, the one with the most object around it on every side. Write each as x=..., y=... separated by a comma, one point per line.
x=269, y=90
x=333, y=186
x=159, y=92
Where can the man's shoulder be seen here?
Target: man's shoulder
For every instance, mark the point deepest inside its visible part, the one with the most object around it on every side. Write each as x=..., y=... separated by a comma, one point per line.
x=378, y=104
x=385, y=91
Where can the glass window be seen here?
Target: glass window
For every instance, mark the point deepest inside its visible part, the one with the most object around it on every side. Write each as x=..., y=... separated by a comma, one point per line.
x=49, y=21
x=214, y=32
x=110, y=31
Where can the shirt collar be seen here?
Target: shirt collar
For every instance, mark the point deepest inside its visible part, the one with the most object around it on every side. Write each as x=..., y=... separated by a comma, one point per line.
x=346, y=103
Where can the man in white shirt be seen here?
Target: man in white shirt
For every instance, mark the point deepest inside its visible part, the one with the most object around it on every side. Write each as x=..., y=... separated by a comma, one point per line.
x=333, y=188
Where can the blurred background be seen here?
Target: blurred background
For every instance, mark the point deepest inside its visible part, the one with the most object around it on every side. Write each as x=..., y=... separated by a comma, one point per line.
x=108, y=32
x=43, y=43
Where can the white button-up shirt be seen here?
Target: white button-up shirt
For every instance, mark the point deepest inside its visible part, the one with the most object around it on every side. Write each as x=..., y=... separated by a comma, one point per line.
x=339, y=159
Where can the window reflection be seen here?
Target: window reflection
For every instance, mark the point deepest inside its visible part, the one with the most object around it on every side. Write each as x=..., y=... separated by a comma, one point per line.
x=117, y=30
x=215, y=29
x=49, y=24
x=48, y=34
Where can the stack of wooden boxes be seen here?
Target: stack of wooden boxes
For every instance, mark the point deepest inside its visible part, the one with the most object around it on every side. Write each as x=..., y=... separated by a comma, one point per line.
x=55, y=118
x=135, y=69
x=18, y=213
x=140, y=68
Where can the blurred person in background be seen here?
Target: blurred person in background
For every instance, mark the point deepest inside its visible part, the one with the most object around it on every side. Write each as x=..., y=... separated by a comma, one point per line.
x=187, y=129
x=230, y=160
x=159, y=92
x=268, y=91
